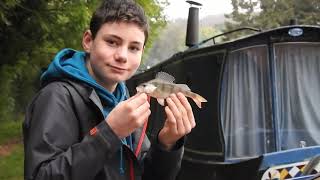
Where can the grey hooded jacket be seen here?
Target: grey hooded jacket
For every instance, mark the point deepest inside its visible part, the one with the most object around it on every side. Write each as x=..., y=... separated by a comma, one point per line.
x=58, y=145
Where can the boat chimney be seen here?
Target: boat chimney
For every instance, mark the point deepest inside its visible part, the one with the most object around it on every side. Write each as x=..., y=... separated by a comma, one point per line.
x=293, y=21
x=192, y=37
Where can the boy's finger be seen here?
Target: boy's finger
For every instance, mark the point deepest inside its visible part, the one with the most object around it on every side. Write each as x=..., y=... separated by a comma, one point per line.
x=185, y=123
x=176, y=113
x=171, y=120
x=138, y=99
x=184, y=101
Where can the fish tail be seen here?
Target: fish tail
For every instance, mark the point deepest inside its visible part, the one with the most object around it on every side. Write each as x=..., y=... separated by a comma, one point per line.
x=196, y=98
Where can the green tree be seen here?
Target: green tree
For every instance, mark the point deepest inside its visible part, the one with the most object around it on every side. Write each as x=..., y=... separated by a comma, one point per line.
x=30, y=33
x=155, y=11
x=307, y=11
x=243, y=15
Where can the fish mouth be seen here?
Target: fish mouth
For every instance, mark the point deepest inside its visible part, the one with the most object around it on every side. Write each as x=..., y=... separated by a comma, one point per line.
x=139, y=89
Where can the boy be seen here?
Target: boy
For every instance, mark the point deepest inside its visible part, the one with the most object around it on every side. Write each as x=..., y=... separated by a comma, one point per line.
x=83, y=126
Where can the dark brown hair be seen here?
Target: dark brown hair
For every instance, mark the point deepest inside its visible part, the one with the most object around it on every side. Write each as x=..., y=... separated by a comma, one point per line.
x=119, y=11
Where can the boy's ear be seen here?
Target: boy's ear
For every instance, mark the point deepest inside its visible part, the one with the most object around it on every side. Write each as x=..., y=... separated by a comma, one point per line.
x=87, y=41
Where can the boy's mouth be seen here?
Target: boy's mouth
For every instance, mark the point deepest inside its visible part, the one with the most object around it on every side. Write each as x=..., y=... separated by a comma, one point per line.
x=117, y=68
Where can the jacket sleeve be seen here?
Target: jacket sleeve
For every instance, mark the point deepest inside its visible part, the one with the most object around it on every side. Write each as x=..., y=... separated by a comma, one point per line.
x=53, y=147
x=161, y=164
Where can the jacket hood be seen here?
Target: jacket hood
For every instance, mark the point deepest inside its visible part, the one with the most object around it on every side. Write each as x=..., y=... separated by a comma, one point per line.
x=71, y=64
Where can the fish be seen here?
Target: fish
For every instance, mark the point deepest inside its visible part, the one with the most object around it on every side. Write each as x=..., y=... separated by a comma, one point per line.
x=163, y=85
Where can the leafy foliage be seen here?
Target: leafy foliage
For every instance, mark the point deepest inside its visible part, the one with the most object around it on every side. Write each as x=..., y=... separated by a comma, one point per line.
x=157, y=21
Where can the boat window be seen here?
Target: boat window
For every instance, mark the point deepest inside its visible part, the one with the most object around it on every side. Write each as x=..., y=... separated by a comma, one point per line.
x=297, y=81
x=246, y=103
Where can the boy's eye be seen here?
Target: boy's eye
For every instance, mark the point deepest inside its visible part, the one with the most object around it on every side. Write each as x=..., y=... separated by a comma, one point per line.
x=134, y=48
x=111, y=42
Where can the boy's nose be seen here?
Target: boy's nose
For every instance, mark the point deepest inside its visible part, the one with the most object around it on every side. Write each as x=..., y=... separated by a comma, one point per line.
x=121, y=54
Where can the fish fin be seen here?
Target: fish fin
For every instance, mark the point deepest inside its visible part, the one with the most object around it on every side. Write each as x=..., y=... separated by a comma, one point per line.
x=201, y=99
x=165, y=77
x=160, y=101
x=198, y=103
x=183, y=87
x=198, y=99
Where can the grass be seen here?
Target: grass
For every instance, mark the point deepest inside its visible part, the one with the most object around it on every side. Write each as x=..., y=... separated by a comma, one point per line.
x=10, y=130
x=11, y=165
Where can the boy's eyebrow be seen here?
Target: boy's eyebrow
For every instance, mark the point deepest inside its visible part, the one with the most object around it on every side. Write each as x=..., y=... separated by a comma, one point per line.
x=119, y=38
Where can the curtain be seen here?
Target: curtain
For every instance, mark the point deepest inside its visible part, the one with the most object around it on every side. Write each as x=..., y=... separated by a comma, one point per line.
x=245, y=103
x=297, y=80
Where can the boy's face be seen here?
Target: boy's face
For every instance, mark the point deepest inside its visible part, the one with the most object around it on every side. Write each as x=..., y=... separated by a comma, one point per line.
x=115, y=52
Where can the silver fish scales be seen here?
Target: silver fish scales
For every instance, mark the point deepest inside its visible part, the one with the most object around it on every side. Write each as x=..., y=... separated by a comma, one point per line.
x=163, y=85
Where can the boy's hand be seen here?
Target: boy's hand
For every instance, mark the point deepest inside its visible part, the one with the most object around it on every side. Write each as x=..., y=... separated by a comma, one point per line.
x=129, y=115
x=179, y=122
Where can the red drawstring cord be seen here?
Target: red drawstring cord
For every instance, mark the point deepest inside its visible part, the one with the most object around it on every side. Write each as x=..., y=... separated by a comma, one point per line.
x=131, y=169
x=143, y=134
x=138, y=149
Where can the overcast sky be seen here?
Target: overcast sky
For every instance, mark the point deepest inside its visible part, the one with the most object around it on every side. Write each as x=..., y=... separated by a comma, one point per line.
x=179, y=8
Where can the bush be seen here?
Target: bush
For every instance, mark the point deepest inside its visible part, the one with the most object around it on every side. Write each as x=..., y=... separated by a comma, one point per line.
x=7, y=101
